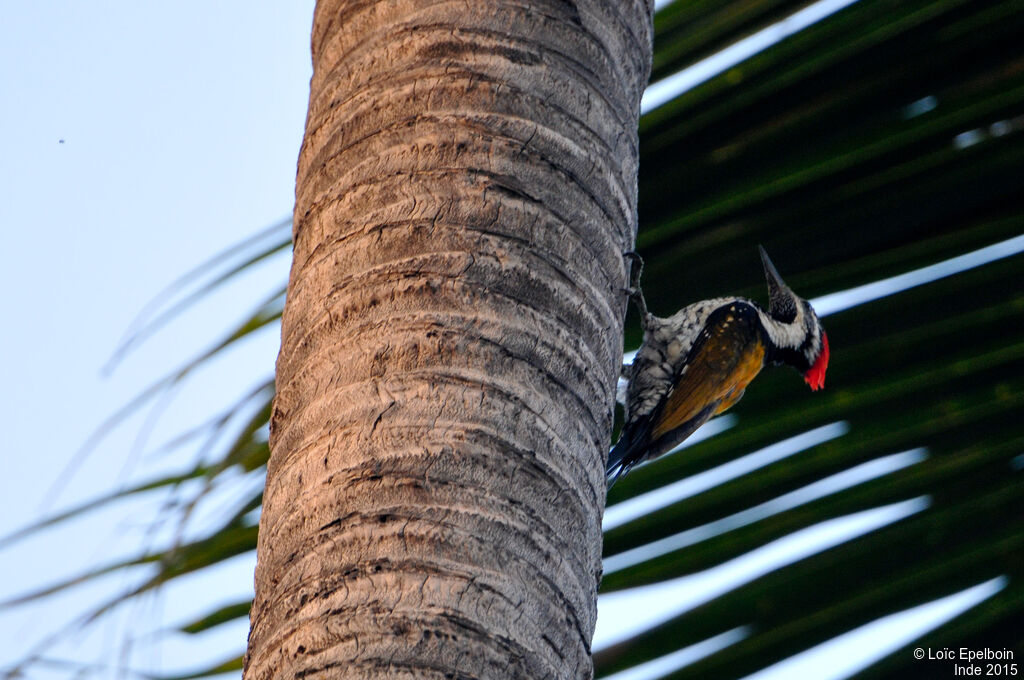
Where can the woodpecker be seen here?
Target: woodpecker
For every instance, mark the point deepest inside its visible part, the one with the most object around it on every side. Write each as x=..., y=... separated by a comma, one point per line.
x=696, y=364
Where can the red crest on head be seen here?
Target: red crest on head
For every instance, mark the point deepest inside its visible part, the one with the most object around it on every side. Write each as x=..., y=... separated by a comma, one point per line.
x=815, y=375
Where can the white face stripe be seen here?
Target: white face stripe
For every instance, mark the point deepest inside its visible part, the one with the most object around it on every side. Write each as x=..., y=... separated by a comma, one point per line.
x=785, y=335
x=794, y=335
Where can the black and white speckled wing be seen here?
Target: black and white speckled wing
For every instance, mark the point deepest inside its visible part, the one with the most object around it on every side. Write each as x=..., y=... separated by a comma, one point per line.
x=666, y=344
x=658, y=366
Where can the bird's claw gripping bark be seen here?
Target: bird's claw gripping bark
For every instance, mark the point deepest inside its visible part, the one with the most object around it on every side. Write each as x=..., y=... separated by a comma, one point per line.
x=635, y=293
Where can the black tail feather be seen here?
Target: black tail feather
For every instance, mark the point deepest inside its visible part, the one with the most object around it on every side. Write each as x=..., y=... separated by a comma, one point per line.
x=616, y=455
x=623, y=455
x=635, y=445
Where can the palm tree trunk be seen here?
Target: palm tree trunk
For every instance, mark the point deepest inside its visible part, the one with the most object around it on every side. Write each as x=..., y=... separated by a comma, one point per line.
x=451, y=340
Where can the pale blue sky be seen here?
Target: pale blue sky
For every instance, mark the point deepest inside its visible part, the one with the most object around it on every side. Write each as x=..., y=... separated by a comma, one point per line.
x=181, y=124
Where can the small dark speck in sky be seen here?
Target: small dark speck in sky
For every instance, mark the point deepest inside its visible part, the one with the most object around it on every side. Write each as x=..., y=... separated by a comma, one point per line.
x=60, y=141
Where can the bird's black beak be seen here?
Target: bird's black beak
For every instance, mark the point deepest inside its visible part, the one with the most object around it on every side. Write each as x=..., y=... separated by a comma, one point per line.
x=775, y=282
x=780, y=297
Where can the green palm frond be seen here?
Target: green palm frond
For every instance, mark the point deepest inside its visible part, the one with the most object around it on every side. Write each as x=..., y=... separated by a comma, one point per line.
x=843, y=150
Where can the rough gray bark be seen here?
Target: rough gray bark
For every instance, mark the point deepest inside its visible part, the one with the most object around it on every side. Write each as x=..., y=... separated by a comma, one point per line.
x=451, y=340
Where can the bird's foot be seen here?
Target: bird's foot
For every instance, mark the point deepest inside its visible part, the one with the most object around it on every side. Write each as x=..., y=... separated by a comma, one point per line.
x=635, y=293
x=636, y=268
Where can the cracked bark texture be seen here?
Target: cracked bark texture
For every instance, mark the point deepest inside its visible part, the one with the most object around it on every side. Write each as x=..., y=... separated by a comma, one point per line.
x=451, y=340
